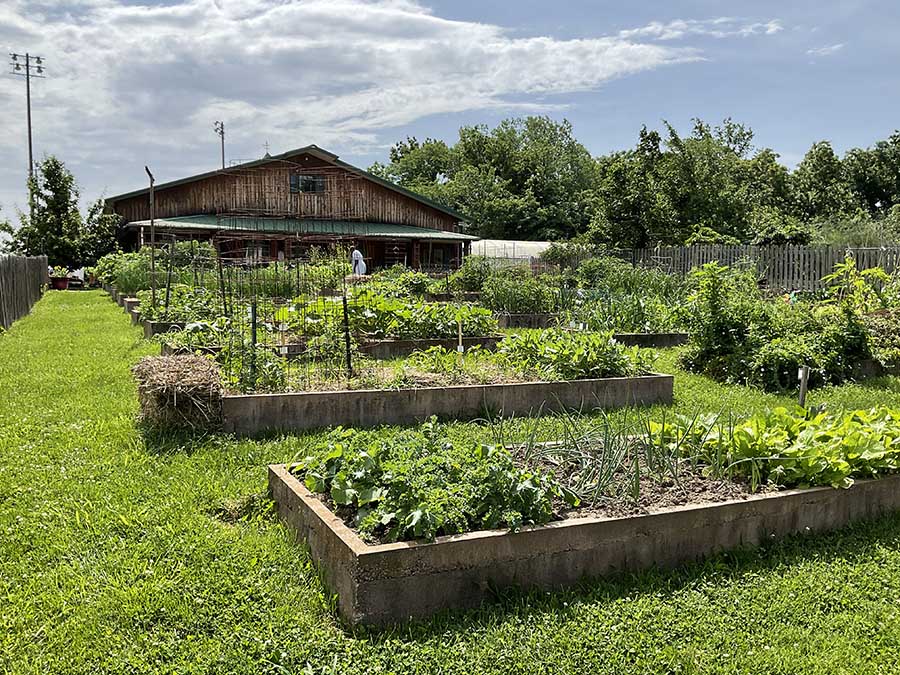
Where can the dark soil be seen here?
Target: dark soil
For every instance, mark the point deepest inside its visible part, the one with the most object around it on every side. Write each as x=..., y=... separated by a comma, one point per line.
x=656, y=494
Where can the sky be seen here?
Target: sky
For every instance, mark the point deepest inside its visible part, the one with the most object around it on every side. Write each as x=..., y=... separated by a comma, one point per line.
x=130, y=84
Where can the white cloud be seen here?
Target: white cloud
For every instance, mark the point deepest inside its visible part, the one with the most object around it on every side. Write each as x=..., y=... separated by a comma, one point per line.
x=826, y=51
x=722, y=27
x=132, y=84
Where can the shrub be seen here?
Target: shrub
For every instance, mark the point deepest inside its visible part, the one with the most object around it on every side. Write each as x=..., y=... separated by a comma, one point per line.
x=471, y=275
x=884, y=332
x=398, y=281
x=727, y=320
x=516, y=291
x=558, y=355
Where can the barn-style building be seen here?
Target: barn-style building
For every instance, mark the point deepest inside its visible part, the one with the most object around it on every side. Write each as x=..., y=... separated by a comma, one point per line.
x=278, y=207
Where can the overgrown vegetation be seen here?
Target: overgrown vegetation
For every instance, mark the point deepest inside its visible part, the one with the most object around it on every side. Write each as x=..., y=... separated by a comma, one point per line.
x=737, y=335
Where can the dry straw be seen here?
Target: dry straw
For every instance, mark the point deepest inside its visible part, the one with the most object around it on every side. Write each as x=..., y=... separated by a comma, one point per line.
x=178, y=392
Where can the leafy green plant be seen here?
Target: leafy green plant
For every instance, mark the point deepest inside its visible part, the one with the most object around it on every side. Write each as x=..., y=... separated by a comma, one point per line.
x=186, y=303
x=380, y=317
x=556, y=354
x=471, y=275
x=421, y=484
x=252, y=368
x=516, y=291
x=791, y=447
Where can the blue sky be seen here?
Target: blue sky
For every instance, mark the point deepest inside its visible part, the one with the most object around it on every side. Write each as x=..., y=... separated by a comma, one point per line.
x=131, y=84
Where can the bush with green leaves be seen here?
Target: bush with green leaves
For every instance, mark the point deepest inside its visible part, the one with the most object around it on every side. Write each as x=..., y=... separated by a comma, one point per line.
x=727, y=320
x=559, y=355
x=186, y=303
x=398, y=281
x=376, y=317
x=738, y=336
x=790, y=447
x=884, y=333
x=517, y=291
x=471, y=275
x=394, y=486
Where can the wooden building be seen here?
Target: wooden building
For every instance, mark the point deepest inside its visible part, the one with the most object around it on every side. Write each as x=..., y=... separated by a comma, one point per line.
x=278, y=207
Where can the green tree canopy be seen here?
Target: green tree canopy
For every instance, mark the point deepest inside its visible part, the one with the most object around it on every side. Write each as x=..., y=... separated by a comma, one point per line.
x=54, y=226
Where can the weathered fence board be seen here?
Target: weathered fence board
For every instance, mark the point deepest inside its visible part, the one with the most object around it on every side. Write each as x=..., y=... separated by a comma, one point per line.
x=22, y=280
x=785, y=267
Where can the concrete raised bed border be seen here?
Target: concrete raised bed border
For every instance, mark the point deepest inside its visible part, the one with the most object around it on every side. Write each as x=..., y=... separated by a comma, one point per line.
x=390, y=583
x=152, y=328
x=256, y=413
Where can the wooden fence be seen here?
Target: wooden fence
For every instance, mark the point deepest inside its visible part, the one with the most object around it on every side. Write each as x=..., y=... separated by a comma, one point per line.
x=784, y=267
x=22, y=281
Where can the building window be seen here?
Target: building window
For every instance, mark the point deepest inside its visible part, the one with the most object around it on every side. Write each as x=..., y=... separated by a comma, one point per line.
x=304, y=183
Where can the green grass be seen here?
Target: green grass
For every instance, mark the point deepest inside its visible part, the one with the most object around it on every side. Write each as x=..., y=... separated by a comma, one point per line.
x=112, y=557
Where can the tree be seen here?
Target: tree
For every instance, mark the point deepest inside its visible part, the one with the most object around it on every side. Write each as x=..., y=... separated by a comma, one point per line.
x=53, y=228
x=874, y=174
x=819, y=185
x=527, y=178
x=98, y=235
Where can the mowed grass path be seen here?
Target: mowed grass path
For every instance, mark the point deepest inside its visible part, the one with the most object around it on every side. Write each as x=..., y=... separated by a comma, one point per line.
x=113, y=560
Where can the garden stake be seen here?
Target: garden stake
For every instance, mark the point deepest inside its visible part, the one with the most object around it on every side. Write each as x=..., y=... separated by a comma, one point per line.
x=347, y=336
x=803, y=374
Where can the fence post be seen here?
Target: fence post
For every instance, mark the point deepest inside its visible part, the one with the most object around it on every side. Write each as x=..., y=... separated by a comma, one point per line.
x=347, y=336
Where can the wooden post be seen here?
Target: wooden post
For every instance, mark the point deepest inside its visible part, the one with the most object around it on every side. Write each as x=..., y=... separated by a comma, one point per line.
x=152, y=241
x=803, y=374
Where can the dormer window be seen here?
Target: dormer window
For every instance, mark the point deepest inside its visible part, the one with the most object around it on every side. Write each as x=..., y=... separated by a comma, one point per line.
x=307, y=183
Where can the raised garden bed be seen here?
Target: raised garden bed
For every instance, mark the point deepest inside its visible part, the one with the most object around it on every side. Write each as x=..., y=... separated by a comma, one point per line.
x=152, y=328
x=389, y=583
x=526, y=320
x=131, y=304
x=256, y=413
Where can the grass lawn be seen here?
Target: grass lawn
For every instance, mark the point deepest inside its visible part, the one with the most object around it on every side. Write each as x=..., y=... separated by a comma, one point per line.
x=121, y=556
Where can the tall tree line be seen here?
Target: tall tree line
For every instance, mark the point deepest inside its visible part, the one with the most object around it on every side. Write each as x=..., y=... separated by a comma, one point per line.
x=530, y=178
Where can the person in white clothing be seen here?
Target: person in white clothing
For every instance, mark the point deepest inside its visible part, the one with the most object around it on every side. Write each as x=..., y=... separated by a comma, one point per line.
x=357, y=262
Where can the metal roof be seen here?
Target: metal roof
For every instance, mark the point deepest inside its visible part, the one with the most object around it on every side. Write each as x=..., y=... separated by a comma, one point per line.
x=313, y=150
x=292, y=226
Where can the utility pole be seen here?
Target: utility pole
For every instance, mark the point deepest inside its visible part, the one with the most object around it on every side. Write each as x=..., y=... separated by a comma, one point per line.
x=24, y=64
x=220, y=130
x=152, y=241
